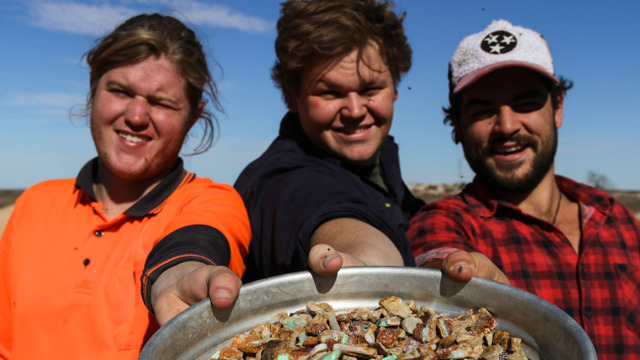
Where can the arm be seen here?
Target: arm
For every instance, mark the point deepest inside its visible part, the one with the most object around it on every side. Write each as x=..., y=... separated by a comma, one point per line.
x=201, y=254
x=442, y=237
x=350, y=242
x=461, y=266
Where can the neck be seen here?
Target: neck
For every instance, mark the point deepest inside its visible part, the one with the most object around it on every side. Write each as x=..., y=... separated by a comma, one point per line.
x=547, y=203
x=118, y=194
x=541, y=202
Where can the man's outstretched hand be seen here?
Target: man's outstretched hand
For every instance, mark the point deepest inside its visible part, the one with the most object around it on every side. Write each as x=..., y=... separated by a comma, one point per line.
x=461, y=266
x=346, y=242
x=325, y=260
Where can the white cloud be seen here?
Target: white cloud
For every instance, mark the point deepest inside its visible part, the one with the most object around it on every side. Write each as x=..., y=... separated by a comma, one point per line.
x=221, y=16
x=26, y=108
x=96, y=20
x=78, y=18
x=50, y=100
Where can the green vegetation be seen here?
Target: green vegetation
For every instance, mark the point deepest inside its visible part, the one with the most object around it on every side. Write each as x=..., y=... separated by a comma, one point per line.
x=8, y=197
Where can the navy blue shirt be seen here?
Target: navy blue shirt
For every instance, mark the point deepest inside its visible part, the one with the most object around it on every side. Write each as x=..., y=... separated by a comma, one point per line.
x=294, y=187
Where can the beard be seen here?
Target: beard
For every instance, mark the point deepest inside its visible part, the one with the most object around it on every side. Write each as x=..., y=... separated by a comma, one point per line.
x=503, y=177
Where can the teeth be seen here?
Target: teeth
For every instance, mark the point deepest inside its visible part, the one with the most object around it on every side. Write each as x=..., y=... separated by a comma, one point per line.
x=511, y=149
x=133, y=138
x=356, y=131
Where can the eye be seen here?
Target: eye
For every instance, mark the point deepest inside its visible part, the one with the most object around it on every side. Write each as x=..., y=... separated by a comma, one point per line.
x=370, y=91
x=330, y=94
x=480, y=112
x=119, y=92
x=527, y=106
x=162, y=104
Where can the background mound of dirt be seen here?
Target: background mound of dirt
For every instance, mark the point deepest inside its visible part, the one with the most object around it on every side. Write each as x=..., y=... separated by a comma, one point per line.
x=427, y=192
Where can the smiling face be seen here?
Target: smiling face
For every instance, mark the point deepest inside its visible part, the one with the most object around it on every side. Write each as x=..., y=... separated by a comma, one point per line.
x=140, y=117
x=347, y=107
x=508, y=129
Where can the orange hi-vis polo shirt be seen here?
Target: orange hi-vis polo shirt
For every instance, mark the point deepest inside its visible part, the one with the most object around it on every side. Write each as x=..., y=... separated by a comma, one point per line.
x=70, y=280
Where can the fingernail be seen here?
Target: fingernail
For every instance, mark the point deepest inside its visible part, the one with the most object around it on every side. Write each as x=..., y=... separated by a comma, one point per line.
x=327, y=258
x=221, y=294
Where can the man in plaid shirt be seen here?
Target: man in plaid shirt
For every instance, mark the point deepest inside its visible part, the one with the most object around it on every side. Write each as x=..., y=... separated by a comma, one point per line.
x=518, y=222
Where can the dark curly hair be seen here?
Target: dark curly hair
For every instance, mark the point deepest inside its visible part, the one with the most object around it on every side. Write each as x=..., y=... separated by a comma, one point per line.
x=326, y=30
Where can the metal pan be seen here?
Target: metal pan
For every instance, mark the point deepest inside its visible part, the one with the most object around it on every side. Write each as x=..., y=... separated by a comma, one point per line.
x=546, y=331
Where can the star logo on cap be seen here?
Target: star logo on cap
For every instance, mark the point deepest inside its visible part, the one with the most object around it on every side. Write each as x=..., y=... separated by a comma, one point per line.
x=498, y=42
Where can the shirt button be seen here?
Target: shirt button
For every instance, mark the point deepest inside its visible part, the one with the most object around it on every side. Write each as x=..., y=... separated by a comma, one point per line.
x=621, y=267
x=86, y=262
x=588, y=312
x=98, y=233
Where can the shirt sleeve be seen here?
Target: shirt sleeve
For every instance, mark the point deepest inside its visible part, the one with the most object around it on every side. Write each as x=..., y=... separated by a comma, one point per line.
x=286, y=208
x=439, y=229
x=209, y=223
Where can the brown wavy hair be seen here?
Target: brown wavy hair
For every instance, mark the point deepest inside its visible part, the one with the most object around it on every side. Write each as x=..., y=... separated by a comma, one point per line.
x=327, y=30
x=147, y=35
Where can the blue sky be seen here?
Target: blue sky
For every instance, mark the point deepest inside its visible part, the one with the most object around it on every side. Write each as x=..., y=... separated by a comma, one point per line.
x=43, y=79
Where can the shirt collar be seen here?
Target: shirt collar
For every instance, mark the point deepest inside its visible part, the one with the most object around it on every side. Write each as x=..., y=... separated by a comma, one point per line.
x=84, y=180
x=149, y=202
x=291, y=128
x=478, y=196
x=590, y=197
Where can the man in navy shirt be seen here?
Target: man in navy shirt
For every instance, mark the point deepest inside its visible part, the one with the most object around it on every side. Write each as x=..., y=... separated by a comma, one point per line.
x=328, y=192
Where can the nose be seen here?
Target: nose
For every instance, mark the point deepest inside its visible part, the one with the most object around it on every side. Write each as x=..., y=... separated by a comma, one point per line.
x=137, y=112
x=507, y=121
x=355, y=106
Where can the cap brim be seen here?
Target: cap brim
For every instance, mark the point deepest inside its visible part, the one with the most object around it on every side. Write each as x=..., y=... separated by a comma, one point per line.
x=473, y=76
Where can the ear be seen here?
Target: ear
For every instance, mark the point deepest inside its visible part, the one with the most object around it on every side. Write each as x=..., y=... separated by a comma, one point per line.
x=397, y=94
x=455, y=132
x=292, y=102
x=195, y=115
x=557, y=114
x=93, y=81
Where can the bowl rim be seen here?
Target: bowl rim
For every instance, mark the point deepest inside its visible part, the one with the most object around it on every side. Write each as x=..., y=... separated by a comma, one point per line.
x=446, y=289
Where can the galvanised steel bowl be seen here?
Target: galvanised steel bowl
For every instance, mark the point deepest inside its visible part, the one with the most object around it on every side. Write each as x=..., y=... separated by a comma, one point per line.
x=198, y=332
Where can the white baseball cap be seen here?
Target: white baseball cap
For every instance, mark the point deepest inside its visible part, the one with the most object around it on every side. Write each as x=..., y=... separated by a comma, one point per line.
x=498, y=46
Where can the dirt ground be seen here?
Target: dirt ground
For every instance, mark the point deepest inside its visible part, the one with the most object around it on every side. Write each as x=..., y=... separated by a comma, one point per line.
x=7, y=198
x=630, y=199
x=4, y=216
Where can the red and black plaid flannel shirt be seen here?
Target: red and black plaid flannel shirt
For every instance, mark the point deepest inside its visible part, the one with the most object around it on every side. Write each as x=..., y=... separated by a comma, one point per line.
x=599, y=288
